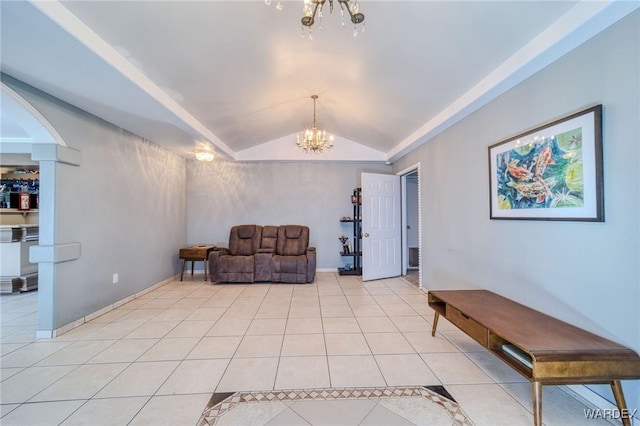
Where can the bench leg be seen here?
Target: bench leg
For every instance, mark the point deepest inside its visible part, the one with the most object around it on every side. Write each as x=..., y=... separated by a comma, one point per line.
x=182, y=270
x=536, y=393
x=192, y=262
x=435, y=323
x=616, y=387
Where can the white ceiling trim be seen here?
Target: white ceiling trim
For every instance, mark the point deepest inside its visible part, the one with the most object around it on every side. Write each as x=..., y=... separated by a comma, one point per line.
x=31, y=121
x=579, y=24
x=81, y=32
x=285, y=149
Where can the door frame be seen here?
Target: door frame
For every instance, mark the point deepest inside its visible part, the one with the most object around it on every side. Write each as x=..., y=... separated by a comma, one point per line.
x=403, y=212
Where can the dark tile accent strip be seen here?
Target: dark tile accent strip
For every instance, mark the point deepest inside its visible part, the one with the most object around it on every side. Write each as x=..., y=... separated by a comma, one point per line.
x=440, y=390
x=217, y=398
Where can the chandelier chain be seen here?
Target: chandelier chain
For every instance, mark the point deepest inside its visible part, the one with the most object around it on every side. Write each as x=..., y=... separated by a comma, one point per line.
x=314, y=97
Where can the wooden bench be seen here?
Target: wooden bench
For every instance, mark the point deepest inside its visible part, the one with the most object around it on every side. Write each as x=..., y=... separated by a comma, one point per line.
x=543, y=349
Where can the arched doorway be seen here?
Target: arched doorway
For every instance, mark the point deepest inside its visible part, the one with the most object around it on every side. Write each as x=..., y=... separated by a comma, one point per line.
x=24, y=131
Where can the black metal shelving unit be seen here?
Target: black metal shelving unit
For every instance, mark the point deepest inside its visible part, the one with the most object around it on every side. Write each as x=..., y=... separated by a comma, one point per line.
x=356, y=221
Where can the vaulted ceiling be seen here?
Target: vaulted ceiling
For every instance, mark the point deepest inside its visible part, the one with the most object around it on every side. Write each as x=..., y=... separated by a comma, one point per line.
x=239, y=75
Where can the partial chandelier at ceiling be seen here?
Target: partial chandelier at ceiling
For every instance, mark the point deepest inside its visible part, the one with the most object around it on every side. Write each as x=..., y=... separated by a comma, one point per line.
x=314, y=140
x=204, y=152
x=314, y=8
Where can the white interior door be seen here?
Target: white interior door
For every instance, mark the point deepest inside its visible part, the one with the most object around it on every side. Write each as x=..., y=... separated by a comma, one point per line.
x=381, y=226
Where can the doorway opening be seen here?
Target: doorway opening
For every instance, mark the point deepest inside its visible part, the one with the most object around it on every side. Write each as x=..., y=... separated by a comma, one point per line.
x=411, y=237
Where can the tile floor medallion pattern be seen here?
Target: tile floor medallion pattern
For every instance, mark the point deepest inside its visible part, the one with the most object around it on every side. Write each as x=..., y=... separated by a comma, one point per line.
x=428, y=405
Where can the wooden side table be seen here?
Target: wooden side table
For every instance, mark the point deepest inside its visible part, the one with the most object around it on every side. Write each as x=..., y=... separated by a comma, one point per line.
x=193, y=254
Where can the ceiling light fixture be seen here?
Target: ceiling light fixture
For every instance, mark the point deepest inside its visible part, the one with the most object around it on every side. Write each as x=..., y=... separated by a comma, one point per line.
x=314, y=140
x=204, y=152
x=205, y=156
x=313, y=8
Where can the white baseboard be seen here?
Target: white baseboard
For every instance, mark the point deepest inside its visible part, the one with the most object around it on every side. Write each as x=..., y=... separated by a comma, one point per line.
x=595, y=399
x=590, y=396
x=44, y=334
x=50, y=334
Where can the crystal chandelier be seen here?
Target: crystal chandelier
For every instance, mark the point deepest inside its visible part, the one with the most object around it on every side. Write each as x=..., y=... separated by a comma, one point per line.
x=314, y=140
x=314, y=8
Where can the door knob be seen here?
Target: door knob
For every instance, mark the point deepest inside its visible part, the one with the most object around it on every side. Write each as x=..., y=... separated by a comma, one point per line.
x=366, y=234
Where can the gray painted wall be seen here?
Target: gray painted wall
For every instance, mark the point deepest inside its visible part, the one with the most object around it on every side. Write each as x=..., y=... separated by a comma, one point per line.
x=222, y=194
x=584, y=273
x=125, y=205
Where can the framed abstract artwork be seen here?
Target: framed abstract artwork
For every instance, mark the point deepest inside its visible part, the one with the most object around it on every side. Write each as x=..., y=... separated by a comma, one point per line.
x=553, y=172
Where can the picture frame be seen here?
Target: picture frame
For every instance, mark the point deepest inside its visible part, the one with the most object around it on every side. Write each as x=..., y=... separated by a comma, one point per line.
x=24, y=201
x=552, y=172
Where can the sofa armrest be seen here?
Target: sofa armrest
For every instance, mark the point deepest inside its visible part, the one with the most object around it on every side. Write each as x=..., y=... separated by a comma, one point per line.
x=265, y=250
x=214, y=257
x=311, y=264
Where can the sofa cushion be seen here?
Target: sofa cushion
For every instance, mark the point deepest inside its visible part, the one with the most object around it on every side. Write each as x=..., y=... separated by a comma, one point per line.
x=289, y=269
x=246, y=231
x=236, y=268
x=293, y=240
x=293, y=231
x=244, y=240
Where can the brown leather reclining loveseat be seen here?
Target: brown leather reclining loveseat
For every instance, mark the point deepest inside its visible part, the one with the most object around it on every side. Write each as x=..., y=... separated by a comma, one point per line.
x=265, y=253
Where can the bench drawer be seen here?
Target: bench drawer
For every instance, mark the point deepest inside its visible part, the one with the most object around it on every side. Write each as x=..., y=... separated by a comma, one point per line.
x=195, y=252
x=476, y=331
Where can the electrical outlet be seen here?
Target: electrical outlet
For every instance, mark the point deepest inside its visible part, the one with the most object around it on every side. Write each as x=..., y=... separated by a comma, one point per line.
x=115, y=278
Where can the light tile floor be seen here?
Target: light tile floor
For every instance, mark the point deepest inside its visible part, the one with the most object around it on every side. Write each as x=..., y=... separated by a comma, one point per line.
x=158, y=359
